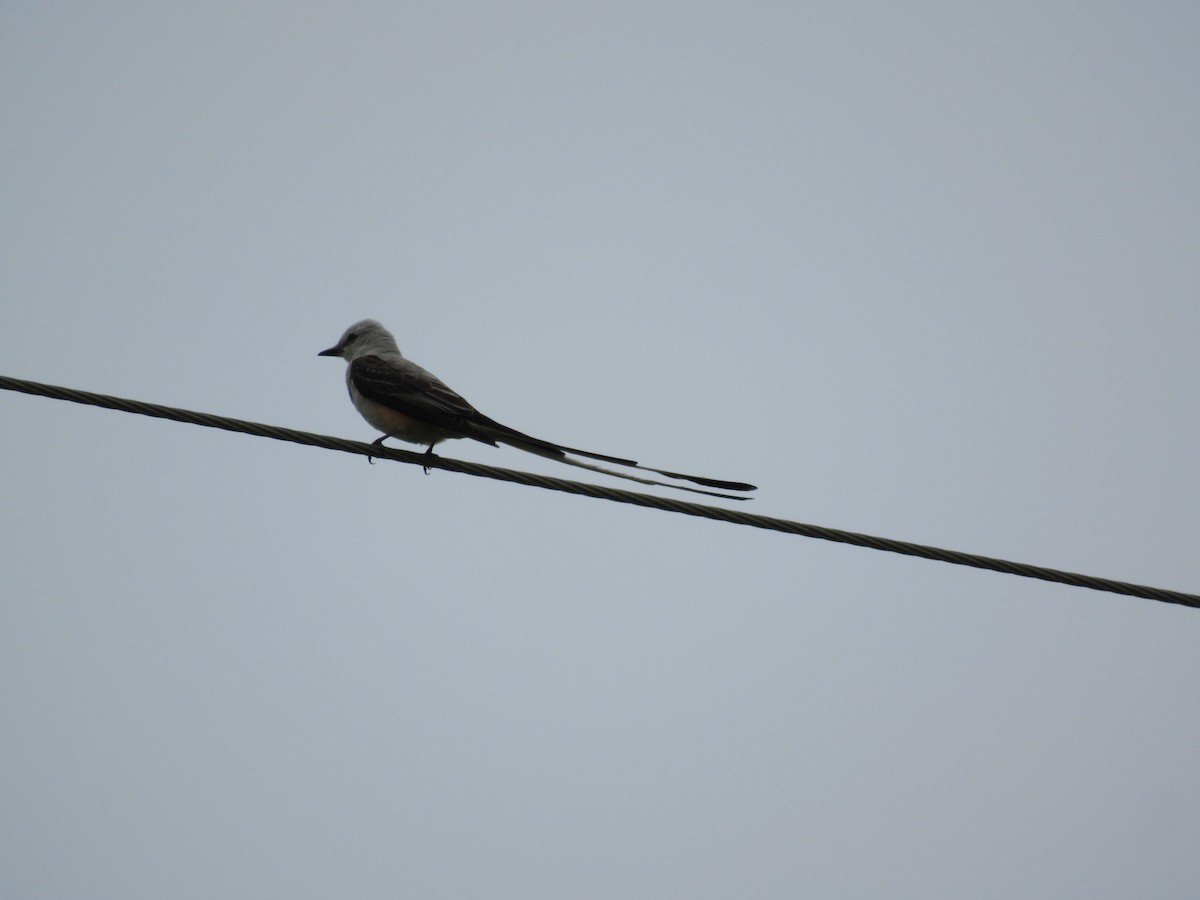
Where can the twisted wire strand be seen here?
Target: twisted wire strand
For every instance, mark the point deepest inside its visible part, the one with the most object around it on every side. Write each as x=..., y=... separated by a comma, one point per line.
x=615, y=495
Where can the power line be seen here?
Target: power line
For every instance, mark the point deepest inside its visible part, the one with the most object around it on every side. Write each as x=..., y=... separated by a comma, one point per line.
x=616, y=495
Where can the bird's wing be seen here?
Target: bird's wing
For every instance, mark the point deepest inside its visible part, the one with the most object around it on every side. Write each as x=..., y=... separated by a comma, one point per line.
x=406, y=387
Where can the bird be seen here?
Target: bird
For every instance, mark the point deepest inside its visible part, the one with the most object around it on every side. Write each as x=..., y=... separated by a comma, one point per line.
x=402, y=400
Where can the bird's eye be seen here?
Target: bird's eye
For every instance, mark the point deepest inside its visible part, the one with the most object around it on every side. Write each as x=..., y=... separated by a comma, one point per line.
x=352, y=337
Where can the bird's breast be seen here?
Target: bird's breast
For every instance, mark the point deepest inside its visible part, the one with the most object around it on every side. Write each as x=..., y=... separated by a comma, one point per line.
x=397, y=424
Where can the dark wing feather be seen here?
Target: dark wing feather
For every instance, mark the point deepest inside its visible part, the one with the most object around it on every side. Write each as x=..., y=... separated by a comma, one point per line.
x=409, y=389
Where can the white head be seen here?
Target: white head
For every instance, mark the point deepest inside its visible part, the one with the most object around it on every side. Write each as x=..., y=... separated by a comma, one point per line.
x=363, y=339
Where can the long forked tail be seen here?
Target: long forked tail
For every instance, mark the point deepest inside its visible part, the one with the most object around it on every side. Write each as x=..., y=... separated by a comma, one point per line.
x=563, y=458
x=505, y=435
x=695, y=479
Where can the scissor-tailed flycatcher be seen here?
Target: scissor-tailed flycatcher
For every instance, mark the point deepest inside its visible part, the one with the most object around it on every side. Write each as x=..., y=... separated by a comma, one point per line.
x=404, y=401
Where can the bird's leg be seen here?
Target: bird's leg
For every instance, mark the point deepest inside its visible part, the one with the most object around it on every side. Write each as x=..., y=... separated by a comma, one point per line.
x=378, y=442
x=428, y=455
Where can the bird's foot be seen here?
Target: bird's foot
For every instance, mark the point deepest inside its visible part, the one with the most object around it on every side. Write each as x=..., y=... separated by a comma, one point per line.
x=378, y=442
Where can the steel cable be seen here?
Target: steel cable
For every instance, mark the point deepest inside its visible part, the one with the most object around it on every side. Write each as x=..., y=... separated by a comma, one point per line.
x=616, y=495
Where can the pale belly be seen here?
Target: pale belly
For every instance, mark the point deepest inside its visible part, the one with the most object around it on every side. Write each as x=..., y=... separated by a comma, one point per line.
x=397, y=424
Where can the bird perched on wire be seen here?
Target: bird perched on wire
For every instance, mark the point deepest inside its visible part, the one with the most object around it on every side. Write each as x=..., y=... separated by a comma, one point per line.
x=403, y=400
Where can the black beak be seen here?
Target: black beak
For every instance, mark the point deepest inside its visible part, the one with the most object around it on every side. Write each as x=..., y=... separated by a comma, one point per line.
x=332, y=351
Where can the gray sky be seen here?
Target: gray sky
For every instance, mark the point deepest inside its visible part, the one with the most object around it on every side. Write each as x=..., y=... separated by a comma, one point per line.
x=927, y=271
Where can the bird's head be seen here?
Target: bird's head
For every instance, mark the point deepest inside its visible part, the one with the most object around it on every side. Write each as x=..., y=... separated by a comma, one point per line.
x=363, y=339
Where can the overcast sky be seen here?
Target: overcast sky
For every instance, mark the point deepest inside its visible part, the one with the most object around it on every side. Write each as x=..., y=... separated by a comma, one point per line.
x=929, y=271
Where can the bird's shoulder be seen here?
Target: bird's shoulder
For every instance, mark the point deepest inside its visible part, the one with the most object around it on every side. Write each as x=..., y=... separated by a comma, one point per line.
x=399, y=382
